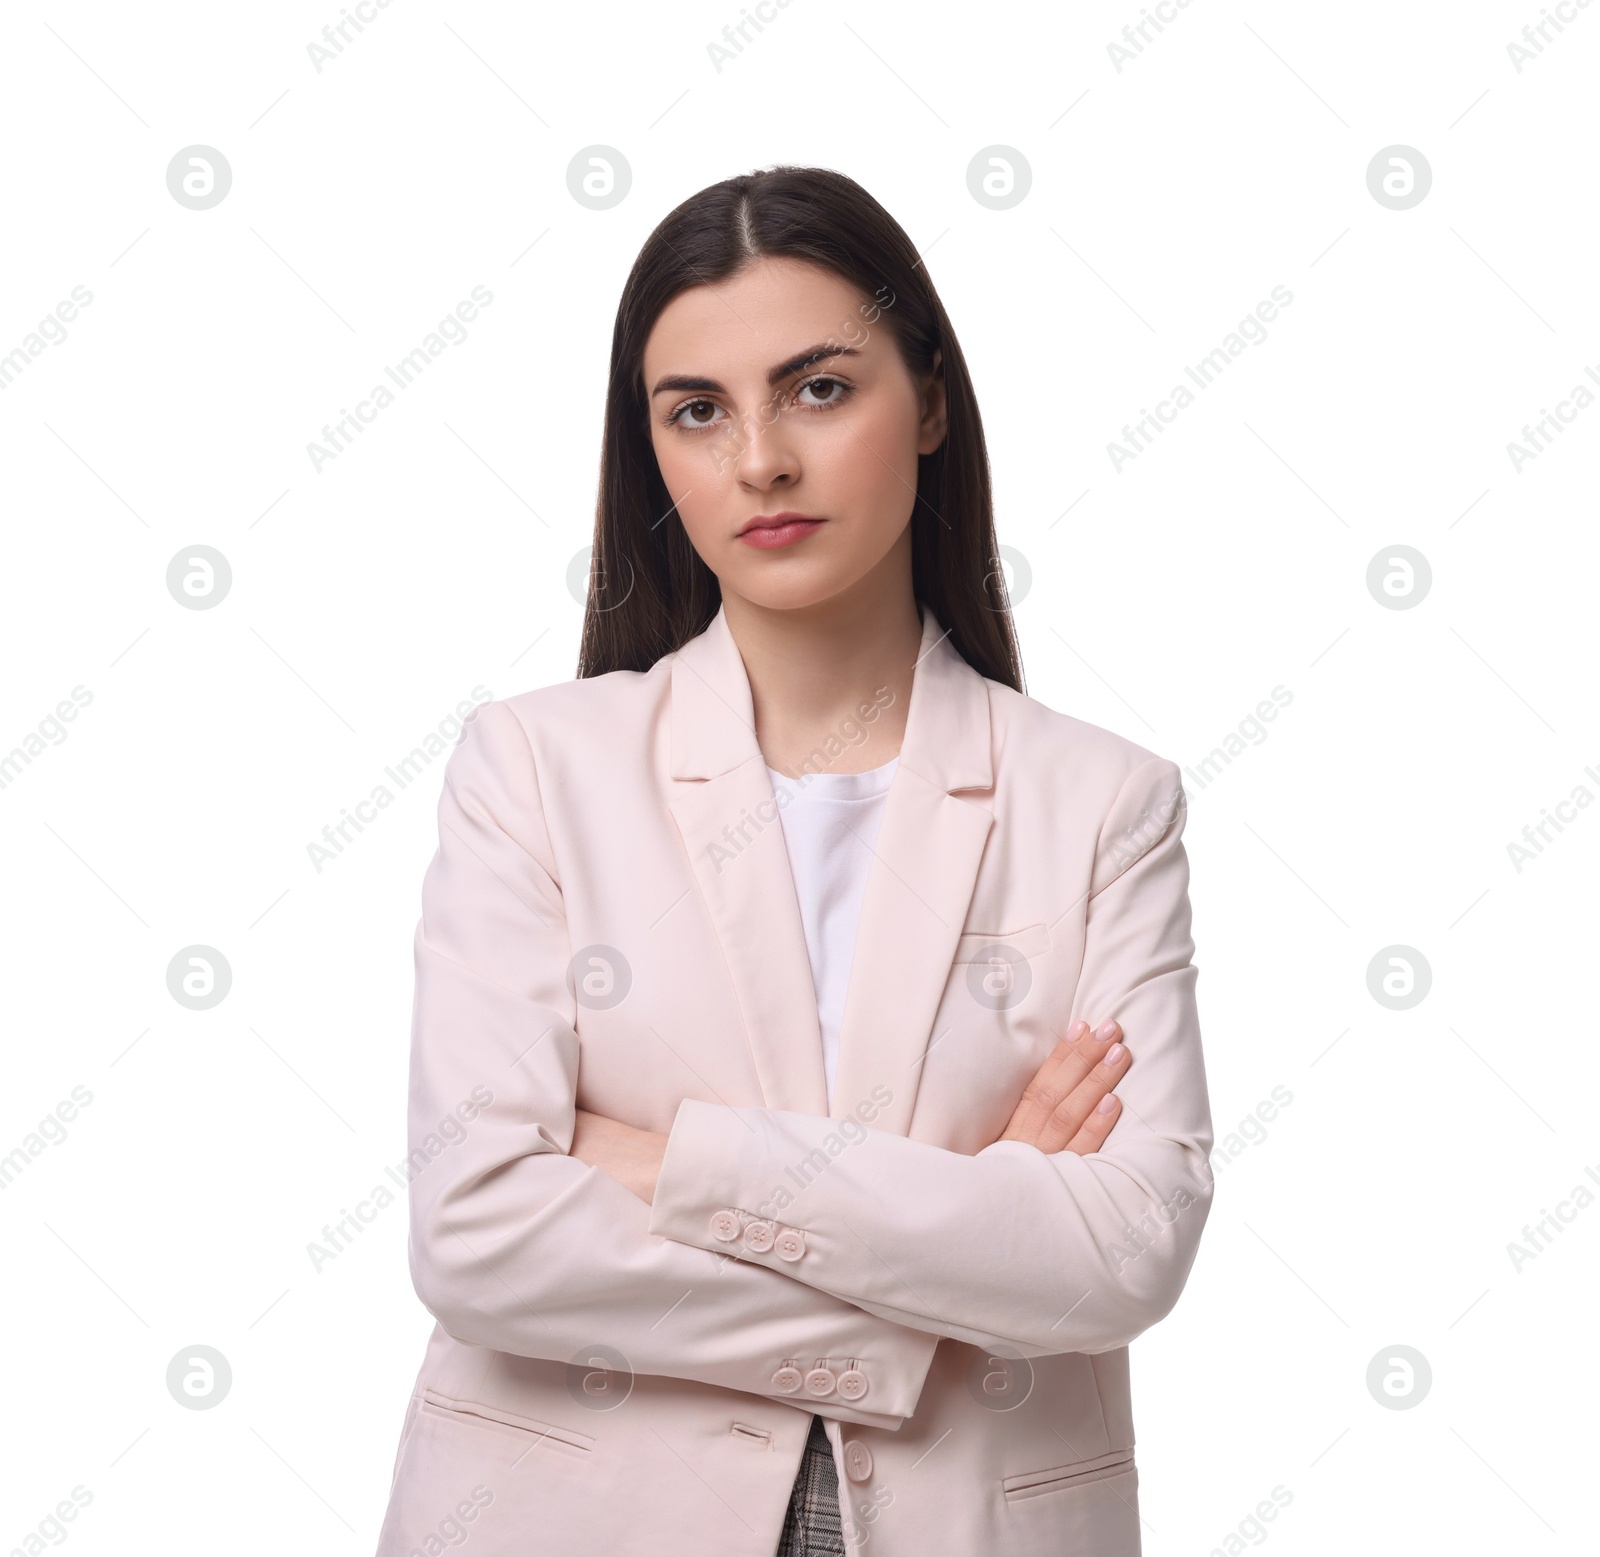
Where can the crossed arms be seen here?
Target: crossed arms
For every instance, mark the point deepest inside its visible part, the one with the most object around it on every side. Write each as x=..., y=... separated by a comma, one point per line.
x=519, y=1245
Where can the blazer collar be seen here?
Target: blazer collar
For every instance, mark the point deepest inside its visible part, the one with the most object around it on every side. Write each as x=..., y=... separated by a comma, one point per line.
x=919, y=883
x=947, y=724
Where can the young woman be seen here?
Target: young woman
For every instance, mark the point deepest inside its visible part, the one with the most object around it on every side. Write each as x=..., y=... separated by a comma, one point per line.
x=773, y=979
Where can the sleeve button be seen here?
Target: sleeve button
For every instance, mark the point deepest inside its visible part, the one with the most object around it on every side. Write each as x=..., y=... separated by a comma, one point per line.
x=857, y=1460
x=852, y=1384
x=758, y=1236
x=786, y=1380
x=791, y=1243
x=820, y=1381
x=725, y=1226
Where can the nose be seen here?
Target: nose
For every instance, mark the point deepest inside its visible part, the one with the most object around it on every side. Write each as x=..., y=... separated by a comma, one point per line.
x=764, y=454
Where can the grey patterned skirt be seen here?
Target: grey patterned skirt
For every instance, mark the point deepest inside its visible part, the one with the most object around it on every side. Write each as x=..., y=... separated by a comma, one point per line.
x=814, y=1527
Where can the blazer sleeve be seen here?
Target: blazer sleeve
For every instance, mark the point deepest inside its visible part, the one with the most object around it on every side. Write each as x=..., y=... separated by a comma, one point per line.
x=1042, y=1252
x=515, y=1244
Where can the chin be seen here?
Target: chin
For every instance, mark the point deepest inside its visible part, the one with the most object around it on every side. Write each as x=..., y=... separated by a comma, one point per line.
x=794, y=593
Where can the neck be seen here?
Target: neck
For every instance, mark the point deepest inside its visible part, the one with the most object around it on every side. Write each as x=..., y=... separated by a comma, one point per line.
x=812, y=669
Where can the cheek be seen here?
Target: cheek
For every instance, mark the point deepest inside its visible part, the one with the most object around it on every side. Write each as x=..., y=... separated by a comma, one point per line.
x=677, y=463
x=692, y=476
x=874, y=459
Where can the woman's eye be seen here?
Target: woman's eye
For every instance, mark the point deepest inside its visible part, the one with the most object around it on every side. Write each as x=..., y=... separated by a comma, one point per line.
x=696, y=413
x=701, y=415
x=836, y=391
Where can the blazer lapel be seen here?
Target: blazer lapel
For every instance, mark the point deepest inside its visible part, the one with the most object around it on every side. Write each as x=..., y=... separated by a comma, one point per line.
x=723, y=805
x=919, y=883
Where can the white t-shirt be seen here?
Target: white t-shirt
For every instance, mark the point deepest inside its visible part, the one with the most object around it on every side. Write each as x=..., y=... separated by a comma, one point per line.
x=830, y=826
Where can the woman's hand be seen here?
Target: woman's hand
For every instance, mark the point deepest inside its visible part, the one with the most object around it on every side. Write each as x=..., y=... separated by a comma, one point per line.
x=632, y=1157
x=1069, y=1104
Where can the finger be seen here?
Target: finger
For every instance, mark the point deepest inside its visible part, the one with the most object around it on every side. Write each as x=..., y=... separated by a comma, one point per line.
x=1061, y=1070
x=1056, y=1080
x=1096, y=1127
x=1075, y=1109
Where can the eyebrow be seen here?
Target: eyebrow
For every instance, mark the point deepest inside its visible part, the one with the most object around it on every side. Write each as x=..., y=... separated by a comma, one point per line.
x=796, y=364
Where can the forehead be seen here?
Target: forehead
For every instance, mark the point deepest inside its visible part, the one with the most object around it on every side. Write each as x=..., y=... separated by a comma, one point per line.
x=754, y=319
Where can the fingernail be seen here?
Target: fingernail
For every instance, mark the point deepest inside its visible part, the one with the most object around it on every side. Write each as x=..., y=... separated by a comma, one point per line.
x=1107, y=1103
x=1108, y=1031
x=1114, y=1054
x=1077, y=1030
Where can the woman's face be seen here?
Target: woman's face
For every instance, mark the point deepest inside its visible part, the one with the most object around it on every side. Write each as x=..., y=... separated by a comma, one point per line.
x=780, y=391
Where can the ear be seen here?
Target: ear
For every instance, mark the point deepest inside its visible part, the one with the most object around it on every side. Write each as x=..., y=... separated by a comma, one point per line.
x=935, y=411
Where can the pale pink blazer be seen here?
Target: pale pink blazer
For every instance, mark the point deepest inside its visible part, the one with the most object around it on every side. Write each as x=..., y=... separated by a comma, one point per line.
x=610, y=923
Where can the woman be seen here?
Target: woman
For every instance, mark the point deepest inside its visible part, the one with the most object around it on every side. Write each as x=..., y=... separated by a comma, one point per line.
x=770, y=1191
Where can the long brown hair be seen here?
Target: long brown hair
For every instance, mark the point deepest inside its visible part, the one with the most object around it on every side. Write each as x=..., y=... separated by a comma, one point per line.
x=649, y=591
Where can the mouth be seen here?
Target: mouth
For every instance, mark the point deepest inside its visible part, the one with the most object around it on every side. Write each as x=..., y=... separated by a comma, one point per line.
x=770, y=530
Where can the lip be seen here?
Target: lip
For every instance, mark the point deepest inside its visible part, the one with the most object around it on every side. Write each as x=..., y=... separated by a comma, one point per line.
x=784, y=529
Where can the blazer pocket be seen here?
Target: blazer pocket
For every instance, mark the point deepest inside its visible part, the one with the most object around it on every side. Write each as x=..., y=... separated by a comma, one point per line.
x=1032, y=1484
x=1030, y=942
x=474, y=1414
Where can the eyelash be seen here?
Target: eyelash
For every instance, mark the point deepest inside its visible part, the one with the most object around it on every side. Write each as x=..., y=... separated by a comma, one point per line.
x=705, y=427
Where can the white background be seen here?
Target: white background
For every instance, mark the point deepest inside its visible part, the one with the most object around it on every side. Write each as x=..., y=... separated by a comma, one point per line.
x=1167, y=599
